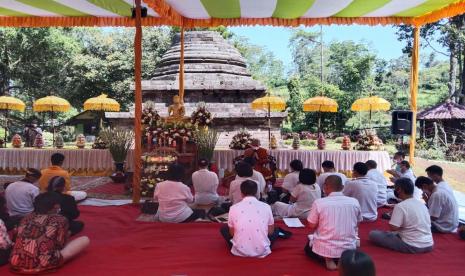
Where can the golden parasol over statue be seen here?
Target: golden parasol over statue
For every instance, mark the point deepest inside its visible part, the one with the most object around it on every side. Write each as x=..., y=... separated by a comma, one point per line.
x=269, y=103
x=8, y=103
x=370, y=104
x=101, y=103
x=51, y=104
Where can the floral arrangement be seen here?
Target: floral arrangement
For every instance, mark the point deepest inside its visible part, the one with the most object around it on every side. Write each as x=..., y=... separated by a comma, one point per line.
x=241, y=140
x=119, y=141
x=17, y=141
x=201, y=116
x=59, y=142
x=39, y=141
x=99, y=144
x=166, y=133
x=81, y=141
x=148, y=184
x=369, y=140
x=150, y=117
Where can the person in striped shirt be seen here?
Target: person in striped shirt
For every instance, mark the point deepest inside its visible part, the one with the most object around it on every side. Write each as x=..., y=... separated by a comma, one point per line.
x=333, y=220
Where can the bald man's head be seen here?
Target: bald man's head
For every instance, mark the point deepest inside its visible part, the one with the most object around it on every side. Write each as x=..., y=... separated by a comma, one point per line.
x=333, y=183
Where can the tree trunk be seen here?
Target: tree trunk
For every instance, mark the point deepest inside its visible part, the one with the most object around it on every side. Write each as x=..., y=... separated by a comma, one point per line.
x=452, y=70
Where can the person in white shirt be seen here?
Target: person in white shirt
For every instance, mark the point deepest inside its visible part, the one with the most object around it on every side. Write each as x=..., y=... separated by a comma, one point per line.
x=20, y=195
x=410, y=223
x=329, y=169
x=250, y=231
x=442, y=206
x=244, y=172
x=292, y=179
x=302, y=197
x=205, y=184
x=380, y=181
x=174, y=198
x=333, y=220
x=406, y=172
x=256, y=175
x=435, y=173
x=364, y=190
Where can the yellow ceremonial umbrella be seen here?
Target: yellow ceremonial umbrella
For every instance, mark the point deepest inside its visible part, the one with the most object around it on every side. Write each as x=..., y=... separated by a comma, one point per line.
x=269, y=103
x=372, y=103
x=320, y=104
x=51, y=104
x=10, y=103
x=101, y=103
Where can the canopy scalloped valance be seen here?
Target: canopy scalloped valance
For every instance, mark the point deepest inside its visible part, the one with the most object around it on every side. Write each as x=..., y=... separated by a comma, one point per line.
x=209, y=13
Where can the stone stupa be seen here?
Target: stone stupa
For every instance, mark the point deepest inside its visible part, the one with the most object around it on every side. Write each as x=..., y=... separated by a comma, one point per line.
x=214, y=73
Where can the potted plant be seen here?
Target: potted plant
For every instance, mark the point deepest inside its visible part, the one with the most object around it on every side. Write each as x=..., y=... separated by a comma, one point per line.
x=206, y=140
x=118, y=141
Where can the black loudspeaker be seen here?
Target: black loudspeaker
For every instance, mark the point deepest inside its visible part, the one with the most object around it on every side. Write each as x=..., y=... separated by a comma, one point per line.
x=402, y=122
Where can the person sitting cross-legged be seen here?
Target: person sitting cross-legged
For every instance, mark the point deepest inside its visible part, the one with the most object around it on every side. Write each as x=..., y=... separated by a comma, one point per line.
x=442, y=206
x=205, y=184
x=291, y=180
x=20, y=195
x=380, y=180
x=244, y=172
x=302, y=197
x=256, y=175
x=174, y=198
x=68, y=206
x=333, y=220
x=250, y=231
x=364, y=190
x=410, y=223
x=56, y=169
x=42, y=241
x=329, y=169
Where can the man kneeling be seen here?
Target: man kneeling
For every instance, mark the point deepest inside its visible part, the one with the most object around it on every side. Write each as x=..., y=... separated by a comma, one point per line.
x=250, y=230
x=334, y=223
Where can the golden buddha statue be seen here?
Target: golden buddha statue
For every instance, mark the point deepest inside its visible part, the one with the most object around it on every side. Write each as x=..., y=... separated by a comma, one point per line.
x=176, y=111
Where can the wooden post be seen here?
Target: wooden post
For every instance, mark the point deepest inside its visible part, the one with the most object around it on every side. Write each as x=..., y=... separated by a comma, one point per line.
x=138, y=105
x=414, y=91
x=181, y=68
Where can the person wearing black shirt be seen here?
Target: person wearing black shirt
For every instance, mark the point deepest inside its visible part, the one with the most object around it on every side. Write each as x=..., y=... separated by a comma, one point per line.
x=67, y=204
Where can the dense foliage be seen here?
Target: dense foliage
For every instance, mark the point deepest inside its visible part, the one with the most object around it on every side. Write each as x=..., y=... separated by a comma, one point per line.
x=78, y=63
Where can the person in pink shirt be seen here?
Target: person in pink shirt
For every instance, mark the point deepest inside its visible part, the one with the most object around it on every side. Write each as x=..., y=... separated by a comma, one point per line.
x=174, y=198
x=250, y=231
x=333, y=221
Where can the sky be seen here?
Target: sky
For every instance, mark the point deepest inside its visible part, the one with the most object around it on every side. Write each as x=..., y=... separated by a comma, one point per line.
x=382, y=40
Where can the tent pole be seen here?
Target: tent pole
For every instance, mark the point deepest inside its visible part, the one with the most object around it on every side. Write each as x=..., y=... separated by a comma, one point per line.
x=414, y=91
x=6, y=127
x=269, y=125
x=138, y=105
x=181, y=68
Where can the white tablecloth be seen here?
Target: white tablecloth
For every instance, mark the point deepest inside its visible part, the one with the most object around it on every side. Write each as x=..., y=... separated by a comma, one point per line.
x=343, y=160
x=75, y=159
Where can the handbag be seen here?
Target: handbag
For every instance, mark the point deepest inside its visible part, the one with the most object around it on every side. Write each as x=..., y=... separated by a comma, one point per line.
x=149, y=207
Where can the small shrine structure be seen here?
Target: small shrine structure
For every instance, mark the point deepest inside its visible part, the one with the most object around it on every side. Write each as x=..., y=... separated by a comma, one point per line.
x=215, y=73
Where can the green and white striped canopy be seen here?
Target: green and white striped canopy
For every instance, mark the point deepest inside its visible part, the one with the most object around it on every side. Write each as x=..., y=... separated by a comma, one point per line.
x=290, y=9
x=191, y=13
x=68, y=8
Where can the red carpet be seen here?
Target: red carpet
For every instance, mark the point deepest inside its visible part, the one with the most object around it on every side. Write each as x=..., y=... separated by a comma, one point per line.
x=108, y=189
x=122, y=246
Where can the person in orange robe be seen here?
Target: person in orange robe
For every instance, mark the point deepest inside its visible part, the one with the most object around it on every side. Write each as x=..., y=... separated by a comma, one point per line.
x=261, y=156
